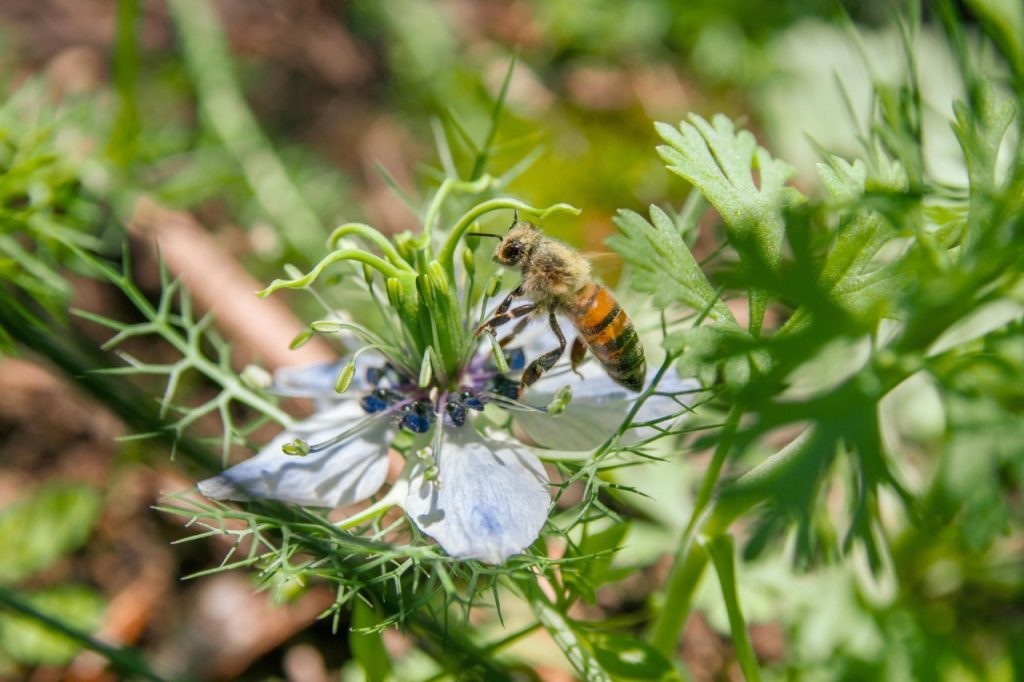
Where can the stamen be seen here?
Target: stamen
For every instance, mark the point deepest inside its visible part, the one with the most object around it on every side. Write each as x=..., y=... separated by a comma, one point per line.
x=511, y=404
x=416, y=417
x=456, y=410
x=470, y=400
x=347, y=433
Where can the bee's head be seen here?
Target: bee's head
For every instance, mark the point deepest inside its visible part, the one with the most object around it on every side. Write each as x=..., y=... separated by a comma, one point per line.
x=516, y=245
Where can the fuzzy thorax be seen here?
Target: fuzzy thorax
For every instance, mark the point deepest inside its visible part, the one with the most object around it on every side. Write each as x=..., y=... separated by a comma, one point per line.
x=552, y=271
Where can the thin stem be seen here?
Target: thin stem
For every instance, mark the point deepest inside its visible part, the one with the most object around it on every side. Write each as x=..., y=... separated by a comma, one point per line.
x=126, y=661
x=370, y=234
x=375, y=262
x=575, y=649
x=228, y=115
x=682, y=583
x=707, y=486
x=232, y=385
x=446, y=255
x=723, y=555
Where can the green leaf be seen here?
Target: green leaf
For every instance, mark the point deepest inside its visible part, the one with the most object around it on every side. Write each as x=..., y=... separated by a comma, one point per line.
x=980, y=128
x=712, y=351
x=627, y=658
x=663, y=265
x=33, y=643
x=1003, y=20
x=39, y=529
x=720, y=162
x=366, y=644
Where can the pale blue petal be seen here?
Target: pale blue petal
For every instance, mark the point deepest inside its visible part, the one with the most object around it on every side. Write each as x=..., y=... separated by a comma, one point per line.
x=342, y=474
x=490, y=501
x=598, y=407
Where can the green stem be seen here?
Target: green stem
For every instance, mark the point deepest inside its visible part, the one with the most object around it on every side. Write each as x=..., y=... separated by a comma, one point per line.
x=707, y=487
x=715, y=517
x=366, y=232
x=375, y=262
x=227, y=113
x=446, y=256
x=447, y=186
x=124, y=137
x=576, y=650
x=231, y=383
x=723, y=555
x=125, y=661
x=682, y=583
x=480, y=163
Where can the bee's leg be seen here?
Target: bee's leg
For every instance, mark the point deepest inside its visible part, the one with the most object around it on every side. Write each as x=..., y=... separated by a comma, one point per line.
x=547, y=360
x=502, y=313
x=516, y=331
x=577, y=354
x=507, y=316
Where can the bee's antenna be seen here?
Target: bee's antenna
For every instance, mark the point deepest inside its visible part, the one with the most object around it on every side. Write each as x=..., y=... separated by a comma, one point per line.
x=485, y=234
x=515, y=216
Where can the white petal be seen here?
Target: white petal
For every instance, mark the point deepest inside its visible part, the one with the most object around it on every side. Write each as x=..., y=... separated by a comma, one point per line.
x=339, y=475
x=598, y=407
x=317, y=380
x=490, y=501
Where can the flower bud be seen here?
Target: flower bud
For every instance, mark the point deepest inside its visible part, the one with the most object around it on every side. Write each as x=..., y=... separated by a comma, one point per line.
x=561, y=401
x=255, y=376
x=493, y=284
x=297, y=448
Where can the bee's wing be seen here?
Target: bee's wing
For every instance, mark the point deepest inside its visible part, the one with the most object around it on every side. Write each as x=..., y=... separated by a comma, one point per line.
x=604, y=264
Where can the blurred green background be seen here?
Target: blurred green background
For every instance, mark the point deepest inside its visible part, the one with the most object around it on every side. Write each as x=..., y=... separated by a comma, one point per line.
x=107, y=102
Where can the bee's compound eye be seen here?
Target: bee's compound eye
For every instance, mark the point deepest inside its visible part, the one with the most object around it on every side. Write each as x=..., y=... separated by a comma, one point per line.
x=512, y=251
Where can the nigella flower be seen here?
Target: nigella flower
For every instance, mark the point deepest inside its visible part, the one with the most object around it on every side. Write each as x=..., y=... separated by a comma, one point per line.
x=468, y=483
x=478, y=496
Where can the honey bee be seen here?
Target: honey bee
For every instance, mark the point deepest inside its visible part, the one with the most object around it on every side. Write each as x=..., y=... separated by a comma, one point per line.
x=556, y=279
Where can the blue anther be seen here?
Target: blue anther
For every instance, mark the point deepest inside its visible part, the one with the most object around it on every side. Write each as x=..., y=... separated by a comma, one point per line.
x=373, y=403
x=516, y=359
x=374, y=375
x=470, y=400
x=417, y=423
x=457, y=411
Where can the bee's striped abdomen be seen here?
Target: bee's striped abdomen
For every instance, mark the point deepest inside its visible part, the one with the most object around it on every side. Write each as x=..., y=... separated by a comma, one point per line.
x=610, y=335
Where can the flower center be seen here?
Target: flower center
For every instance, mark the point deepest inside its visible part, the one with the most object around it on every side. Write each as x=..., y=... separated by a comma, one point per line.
x=416, y=407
